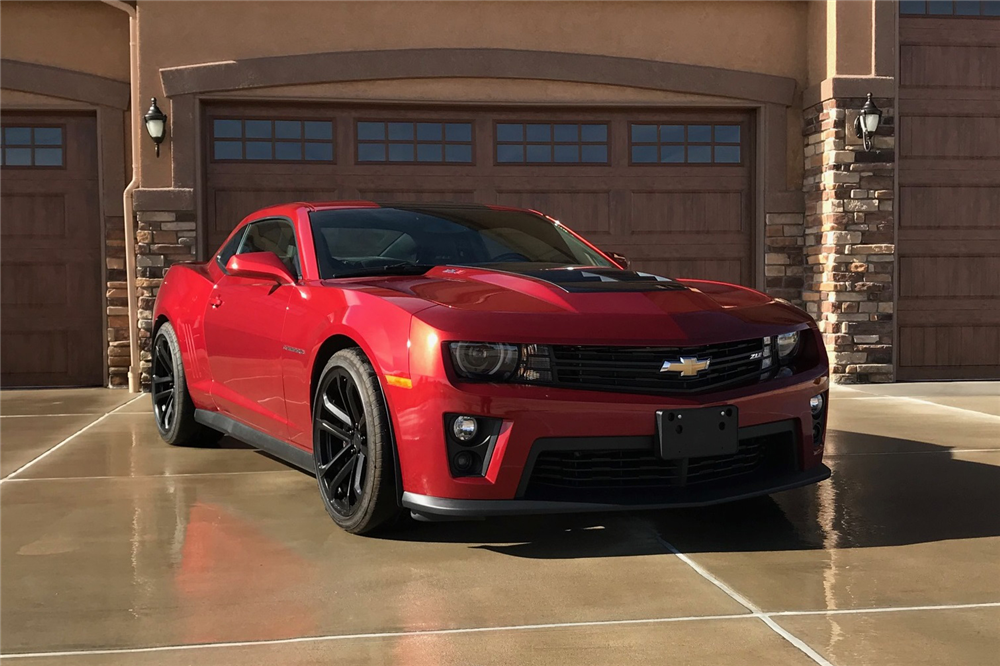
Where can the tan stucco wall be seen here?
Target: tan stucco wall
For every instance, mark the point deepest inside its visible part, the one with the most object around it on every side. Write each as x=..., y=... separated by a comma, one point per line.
x=15, y=99
x=840, y=38
x=766, y=37
x=89, y=37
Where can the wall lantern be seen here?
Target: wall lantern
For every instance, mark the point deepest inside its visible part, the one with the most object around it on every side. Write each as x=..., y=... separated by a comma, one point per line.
x=156, y=124
x=867, y=122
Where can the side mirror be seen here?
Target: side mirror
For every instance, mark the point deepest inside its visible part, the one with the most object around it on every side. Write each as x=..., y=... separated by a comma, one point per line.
x=620, y=259
x=259, y=265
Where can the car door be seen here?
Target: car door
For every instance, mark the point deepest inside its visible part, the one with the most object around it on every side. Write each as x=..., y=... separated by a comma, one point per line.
x=243, y=325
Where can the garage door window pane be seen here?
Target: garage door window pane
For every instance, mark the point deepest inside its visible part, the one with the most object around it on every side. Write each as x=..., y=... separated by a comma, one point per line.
x=539, y=153
x=672, y=133
x=401, y=131
x=510, y=153
x=991, y=8
x=643, y=133
x=967, y=8
x=672, y=154
x=939, y=7
x=644, y=154
x=457, y=153
x=430, y=152
x=538, y=132
x=699, y=133
x=594, y=154
x=510, y=132
x=287, y=150
x=400, y=152
x=458, y=132
x=287, y=129
x=699, y=154
x=371, y=152
x=32, y=147
x=566, y=153
x=727, y=154
x=261, y=140
x=912, y=7
x=686, y=144
x=371, y=131
x=727, y=133
x=594, y=133
x=429, y=131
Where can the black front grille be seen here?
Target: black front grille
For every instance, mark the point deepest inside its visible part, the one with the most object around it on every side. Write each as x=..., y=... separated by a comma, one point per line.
x=639, y=475
x=638, y=369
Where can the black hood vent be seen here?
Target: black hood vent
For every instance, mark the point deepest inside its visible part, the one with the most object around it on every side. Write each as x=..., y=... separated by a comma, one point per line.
x=599, y=279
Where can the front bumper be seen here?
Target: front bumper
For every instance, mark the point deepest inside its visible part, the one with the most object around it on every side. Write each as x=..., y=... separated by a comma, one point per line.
x=438, y=508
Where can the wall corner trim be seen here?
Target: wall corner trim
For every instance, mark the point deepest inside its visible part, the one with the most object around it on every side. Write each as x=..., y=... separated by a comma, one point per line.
x=163, y=199
x=840, y=87
x=390, y=64
x=64, y=83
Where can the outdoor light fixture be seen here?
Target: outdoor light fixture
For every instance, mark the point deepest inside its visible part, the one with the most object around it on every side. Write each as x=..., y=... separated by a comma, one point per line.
x=867, y=122
x=156, y=124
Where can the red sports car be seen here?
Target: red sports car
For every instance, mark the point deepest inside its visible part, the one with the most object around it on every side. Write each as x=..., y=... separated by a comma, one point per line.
x=465, y=361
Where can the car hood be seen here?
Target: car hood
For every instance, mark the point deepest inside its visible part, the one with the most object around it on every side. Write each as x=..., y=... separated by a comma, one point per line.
x=591, y=304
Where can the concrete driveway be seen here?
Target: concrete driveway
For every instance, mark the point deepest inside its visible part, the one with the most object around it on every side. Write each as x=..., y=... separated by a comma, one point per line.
x=118, y=549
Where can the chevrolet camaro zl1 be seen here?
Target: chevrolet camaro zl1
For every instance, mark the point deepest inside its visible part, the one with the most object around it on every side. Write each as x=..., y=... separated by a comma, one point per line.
x=465, y=361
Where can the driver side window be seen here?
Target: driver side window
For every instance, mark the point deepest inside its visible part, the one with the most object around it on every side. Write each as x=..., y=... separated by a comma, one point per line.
x=275, y=236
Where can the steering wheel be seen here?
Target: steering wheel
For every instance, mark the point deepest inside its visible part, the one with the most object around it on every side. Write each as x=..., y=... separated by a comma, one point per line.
x=508, y=256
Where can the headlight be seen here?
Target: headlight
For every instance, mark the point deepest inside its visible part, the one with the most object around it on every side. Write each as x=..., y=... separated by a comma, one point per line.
x=787, y=343
x=501, y=361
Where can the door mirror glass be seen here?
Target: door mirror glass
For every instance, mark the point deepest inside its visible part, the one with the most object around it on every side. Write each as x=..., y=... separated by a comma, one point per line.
x=620, y=259
x=264, y=265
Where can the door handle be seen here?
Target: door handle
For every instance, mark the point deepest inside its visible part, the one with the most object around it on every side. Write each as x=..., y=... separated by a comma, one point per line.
x=215, y=301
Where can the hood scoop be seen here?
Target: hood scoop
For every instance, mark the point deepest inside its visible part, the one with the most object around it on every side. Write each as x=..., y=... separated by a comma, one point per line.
x=600, y=280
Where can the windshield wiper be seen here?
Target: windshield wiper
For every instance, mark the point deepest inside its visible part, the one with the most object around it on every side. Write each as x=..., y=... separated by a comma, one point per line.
x=399, y=268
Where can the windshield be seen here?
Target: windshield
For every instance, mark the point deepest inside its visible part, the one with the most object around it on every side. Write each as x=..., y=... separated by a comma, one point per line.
x=370, y=240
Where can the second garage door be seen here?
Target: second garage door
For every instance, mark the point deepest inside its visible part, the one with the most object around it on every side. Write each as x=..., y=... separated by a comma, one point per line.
x=669, y=189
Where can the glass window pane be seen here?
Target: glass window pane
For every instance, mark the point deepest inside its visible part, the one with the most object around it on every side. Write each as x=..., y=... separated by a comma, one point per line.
x=228, y=129
x=319, y=152
x=287, y=150
x=672, y=154
x=48, y=136
x=727, y=154
x=453, y=153
x=287, y=129
x=429, y=131
x=566, y=134
x=371, y=152
x=429, y=152
x=510, y=153
x=48, y=156
x=318, y=130
x=228, y=150
x=17, y=136
x=991, y=8
x=258, y=150
x=17, y=157
x=643, y=154
x=539, y=132
x=458, y=131
x=400, y=132
x=539, y=153
x=371, y=131
x=939, y=7
x=594, y=154
x=672, y=133
x=699, y=133
x=967, y=7
x=508, y=132
x=594, y=132
x=727, y=133
x=911, y=7
x=566, y=153
x=699, y=154
x=401, y=152
x=643, y=133
x=258, y=129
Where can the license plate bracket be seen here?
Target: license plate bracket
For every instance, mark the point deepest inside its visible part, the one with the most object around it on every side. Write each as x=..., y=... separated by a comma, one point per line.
x=698, y=432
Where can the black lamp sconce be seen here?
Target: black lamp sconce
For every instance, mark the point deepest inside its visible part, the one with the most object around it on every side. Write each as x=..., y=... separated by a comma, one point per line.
x=156, y=124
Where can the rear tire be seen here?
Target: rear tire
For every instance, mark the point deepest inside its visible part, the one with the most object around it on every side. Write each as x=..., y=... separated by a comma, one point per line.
x=352, y=445
x=173, y=409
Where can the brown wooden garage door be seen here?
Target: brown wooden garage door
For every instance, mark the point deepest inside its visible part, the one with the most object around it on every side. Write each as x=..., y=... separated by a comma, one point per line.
x=949, y=192
x=670, y=189
x=50, y=252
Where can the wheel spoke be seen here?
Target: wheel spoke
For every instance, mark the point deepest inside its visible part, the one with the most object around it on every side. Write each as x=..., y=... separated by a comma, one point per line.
x=357, y=409
x=158, y=395
x=341, y=415
x=326, y=468
x=163, y=354
x=157, y=379
x=168, y=412
x=344, y=472
x=358, y=472
x=336, y=431
x=342, y=390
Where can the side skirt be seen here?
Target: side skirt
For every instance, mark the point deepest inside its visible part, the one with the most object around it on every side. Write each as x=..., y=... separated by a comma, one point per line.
x=292, y=455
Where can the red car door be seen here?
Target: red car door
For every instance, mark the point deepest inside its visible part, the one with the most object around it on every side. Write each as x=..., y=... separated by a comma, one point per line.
x=244, y=319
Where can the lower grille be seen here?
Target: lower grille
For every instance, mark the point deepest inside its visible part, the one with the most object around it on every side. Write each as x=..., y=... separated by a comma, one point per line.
x=623, y=475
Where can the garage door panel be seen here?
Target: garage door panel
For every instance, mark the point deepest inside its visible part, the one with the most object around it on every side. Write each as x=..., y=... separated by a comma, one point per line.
x=48, y=363
x=681, y=211
x=460, y=196
x=22, y=212
x=957, y=277
x=949, y=207
x=944, y=346
x=950, y=137
x=950, y=65
x=34, y=286
x=586, y=212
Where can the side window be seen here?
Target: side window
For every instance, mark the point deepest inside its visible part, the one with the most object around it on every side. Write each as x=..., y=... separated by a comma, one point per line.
x=229, y=249
x=276, y=236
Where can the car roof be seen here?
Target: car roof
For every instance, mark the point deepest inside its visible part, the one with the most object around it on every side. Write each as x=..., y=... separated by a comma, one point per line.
x=284, y=209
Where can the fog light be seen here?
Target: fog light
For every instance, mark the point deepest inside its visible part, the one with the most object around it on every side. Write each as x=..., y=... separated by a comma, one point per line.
x=816, y=404
x=464, y=428
x=463, y=461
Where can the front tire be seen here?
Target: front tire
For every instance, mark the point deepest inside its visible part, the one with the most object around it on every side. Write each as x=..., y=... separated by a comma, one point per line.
x=352, y=445
x=173, y=409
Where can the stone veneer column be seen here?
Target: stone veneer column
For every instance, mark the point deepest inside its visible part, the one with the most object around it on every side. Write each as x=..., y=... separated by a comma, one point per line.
x=783, y=264
x=850, y=239
x=162, y=239
x=117, y=302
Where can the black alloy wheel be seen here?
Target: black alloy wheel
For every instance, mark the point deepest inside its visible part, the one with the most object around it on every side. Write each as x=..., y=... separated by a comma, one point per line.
x=352, y=445
x=173, y=409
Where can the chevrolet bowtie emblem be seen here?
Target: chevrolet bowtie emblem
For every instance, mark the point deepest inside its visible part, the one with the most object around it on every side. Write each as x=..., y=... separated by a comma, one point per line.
x=688, y=366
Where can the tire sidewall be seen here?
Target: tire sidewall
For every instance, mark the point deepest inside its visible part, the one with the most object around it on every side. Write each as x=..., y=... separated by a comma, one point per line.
x=166, y=331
